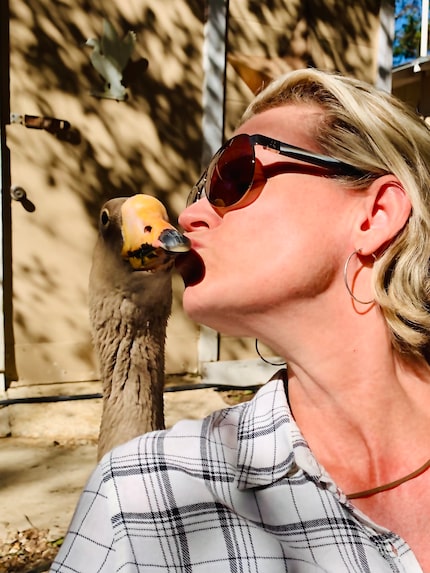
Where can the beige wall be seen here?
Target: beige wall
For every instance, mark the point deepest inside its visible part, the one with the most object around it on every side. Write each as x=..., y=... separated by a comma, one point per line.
x=124, y=148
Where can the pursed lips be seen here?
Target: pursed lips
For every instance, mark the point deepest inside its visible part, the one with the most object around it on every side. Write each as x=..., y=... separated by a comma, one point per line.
x=190, y=265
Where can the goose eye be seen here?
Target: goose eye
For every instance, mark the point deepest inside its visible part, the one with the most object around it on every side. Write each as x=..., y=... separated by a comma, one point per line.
x=104, y=218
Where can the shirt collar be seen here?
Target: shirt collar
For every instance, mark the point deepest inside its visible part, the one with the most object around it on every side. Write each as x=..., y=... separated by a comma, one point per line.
x=270, y=445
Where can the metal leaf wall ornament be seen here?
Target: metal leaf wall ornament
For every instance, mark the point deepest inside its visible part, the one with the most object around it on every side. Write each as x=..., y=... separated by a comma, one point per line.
x=110, y=56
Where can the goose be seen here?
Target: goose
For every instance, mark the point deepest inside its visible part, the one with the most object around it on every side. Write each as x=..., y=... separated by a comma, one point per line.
x=130, y=297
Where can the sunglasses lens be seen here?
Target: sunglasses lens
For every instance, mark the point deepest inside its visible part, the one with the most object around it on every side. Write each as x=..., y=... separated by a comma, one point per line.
x=231, y=172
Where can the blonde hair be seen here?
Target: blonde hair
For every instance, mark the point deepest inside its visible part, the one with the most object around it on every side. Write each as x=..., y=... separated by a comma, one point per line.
x=376, y=132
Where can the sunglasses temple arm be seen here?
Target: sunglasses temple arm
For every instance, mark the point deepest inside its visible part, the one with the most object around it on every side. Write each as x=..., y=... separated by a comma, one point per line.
x=308, y=156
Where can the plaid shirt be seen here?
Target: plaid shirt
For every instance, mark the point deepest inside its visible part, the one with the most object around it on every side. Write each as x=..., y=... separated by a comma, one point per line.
x=239, y=491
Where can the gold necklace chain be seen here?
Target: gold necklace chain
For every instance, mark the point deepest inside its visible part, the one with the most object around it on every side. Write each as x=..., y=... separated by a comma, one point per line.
x=391, y=485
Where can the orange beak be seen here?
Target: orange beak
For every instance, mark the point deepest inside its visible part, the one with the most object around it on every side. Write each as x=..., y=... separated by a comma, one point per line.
x=149, y=240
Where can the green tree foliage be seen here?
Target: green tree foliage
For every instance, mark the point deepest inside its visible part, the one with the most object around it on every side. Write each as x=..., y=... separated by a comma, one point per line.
x=406, y=45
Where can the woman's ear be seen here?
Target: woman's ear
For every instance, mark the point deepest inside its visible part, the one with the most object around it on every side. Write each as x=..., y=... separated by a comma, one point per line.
x=387, y=209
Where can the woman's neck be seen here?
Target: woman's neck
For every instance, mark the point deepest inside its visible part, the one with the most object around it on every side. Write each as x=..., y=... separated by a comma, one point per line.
x=366, y=420
x=351, y=394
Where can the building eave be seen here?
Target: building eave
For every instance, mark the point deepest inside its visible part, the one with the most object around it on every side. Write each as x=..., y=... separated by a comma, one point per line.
x=407, y=73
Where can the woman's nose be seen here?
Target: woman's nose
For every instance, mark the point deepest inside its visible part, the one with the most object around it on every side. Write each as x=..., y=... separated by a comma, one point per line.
x=199, y=214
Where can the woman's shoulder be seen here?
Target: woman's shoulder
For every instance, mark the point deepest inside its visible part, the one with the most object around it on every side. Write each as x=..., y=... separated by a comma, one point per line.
x=218, y=425
x=193, y=446
x=183, y=440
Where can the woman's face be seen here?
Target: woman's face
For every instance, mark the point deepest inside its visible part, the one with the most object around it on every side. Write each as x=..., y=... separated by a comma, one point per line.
x=284, y=249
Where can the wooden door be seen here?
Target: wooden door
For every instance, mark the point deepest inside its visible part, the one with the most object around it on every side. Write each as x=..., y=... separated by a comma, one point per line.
x=149, y=143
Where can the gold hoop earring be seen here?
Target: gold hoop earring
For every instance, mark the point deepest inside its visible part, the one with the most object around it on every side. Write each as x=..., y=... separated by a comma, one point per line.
x=345, y=279
x=265, y=359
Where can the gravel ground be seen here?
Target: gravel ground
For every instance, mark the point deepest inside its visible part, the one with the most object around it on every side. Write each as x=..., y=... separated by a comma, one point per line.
x=41, y=480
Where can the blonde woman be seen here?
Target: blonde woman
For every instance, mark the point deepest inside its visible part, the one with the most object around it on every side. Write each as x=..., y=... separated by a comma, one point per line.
x=311, y=232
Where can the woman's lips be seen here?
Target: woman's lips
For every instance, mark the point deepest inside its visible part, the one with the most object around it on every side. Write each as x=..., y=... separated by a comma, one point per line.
x=191, y=267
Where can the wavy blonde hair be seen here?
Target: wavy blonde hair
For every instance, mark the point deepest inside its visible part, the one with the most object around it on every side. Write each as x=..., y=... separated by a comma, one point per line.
x=377, y=133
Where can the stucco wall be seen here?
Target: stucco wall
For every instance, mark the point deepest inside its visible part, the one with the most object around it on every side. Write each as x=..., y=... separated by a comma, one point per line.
x=151, y=143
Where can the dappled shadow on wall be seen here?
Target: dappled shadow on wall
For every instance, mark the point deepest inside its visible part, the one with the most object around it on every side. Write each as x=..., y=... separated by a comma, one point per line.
x=86, y=149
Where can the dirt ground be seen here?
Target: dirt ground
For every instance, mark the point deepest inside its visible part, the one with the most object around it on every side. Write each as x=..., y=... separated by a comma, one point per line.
x=41, y=479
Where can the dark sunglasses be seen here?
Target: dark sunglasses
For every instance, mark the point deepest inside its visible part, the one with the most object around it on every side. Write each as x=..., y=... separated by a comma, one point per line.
x=234, y=171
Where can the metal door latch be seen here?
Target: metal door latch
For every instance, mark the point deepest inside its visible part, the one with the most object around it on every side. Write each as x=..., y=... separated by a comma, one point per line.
x=60, y=128
x=51, y=124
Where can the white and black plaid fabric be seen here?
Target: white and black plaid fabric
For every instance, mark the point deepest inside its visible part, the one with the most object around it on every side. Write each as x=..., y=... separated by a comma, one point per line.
x=239, y=492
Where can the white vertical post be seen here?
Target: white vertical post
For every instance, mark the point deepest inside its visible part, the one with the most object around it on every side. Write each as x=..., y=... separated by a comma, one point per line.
x=424, y=28
x=214, y=67
x=384, y=59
